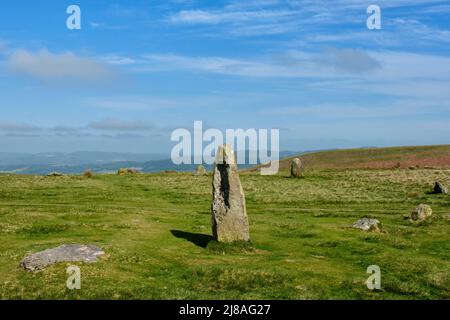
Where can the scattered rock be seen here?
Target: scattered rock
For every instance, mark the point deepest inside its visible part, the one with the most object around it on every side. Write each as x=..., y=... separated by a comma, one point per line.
x=200, y=171
x=421, y=212
x=439, y=188
x=55, y=174
x=124, y=171
x=367, y=224
x=296, y=168
x=229, y=215
x=170, y=171
x=64, y=253
x=88, y=174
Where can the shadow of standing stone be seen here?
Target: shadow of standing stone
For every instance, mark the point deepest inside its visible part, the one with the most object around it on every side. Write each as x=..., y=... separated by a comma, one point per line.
x=229, y=214
x=200, y=240
x=65, y=253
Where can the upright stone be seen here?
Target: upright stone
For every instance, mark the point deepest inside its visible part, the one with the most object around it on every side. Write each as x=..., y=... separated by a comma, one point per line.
x=439, y=188
x=229, y=215
x=296, y=168
x=200, y=170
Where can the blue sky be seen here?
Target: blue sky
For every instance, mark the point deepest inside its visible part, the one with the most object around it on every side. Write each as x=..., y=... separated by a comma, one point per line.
x=139, y=69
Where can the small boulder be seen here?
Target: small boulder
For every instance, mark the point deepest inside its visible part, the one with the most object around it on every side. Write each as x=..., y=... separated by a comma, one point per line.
x=200, y=171
x=55, y=174
x=439, y=188
x=367, y=224
x=296, y=168
x=421, y=212
x=122, y=171
x=65, y=253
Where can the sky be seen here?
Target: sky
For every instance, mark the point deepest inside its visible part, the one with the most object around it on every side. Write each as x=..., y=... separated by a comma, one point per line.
x=137, y=70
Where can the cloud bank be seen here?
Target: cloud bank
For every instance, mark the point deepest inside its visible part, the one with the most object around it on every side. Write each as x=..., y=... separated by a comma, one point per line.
x=44, y=65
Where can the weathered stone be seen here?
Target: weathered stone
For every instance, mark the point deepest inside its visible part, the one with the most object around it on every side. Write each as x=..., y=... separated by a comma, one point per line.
x=367, y=224
x=55, y=174
x=296, y=168
x=124, y=171
x=229, y=215
x=64, y=253
x=421, y=212
x=439, y=188
x=200, y=171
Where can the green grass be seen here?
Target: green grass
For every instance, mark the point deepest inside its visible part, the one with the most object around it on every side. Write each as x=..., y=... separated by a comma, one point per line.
x=155, y=230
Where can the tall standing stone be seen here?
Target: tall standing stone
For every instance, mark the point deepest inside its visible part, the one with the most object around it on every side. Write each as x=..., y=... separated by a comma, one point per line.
x=296, y=168
x=229, y=215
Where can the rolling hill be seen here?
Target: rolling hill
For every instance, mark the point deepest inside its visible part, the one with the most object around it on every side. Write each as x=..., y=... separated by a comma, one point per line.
x=375, y=158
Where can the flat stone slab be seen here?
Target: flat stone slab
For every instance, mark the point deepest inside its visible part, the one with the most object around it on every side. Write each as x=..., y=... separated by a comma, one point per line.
x=367, y=224
x=65, y=253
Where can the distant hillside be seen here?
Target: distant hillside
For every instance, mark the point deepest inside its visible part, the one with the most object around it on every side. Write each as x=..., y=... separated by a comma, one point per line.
x=98, y=162
x=375, y=158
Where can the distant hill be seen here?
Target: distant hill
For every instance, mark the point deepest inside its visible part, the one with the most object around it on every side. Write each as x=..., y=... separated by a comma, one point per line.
x=76, y=162
x=375, y=158
x=74, y=158
x=98, y=162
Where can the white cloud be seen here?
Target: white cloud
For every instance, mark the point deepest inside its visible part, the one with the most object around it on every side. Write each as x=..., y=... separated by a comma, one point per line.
x=131, y=103
x=215, y=17
x=396, y=108
x=331, y=63
x=269, y=17
x=3, y=46
x=117, y=60
x=18, y=127
x=45, y=65
x=119, y=125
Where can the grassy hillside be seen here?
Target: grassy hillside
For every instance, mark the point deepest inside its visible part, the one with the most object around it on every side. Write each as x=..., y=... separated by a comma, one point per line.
x=155, y=230
x=377, y=158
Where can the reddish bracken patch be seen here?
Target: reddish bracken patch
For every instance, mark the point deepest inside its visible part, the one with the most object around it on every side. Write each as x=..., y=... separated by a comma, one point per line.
x=408, y=162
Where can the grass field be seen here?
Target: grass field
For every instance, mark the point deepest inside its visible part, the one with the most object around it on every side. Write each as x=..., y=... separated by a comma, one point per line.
x=377, y=158
x=155, y=230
